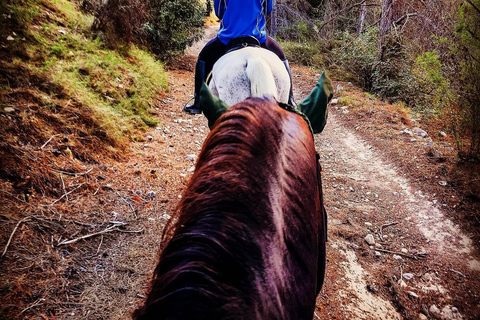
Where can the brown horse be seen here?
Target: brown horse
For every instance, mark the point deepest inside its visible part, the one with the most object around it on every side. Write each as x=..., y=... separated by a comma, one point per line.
x=249, y=241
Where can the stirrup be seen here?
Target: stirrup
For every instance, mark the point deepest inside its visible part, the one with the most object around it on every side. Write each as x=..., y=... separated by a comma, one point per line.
x=191, y=108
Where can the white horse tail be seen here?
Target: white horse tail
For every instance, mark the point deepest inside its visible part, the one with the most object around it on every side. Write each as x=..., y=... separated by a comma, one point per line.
x=262, y=82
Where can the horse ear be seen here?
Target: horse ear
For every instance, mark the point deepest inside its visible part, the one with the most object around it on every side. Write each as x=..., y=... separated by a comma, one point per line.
x=211, y=105
x=315, y=105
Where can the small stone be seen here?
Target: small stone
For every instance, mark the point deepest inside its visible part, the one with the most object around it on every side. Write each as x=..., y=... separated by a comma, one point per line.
x=402, y=283
x=442, y=134
x=149, y=138
x=368, y=224
x=404, y=250
x=396, y=256
x=151, y=194
x=434, y=311
x=334, y=101
x=370, y=239
x=62, y=31
x=339, y=87
x=354, y=246
x=191, y=157
x=450, y=313
x=420, y=132
x=412, y=295
x=8, y=109
x=408, y=276
x=138, y=192
x=10, y=38
x=377, y=254
x=166, y=131
x=442, y=183
x=378, y=245
x=191, y=169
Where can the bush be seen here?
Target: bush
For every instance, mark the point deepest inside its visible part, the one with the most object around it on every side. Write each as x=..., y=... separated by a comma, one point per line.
x=393, y=73
x=173, y=25
x=465, y=51
x=121, y=21
x=308, y=54
x=167, y=27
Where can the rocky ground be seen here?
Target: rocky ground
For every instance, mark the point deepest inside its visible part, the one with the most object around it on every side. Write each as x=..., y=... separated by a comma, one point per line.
x=399, y=244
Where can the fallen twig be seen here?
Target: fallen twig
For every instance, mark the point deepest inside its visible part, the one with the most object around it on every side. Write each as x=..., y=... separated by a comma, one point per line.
x=395, y=252
x=13, y=232
x=109, y=229
x=98, y=249
x=380, y=230
x=75, y=174
x=35, y=304
x=66, y=194
x=48, y=141
x=127, y=202
x=63, y=185
x=458, y=272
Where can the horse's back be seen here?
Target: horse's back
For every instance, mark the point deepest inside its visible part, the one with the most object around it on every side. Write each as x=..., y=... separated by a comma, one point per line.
x=250, y=72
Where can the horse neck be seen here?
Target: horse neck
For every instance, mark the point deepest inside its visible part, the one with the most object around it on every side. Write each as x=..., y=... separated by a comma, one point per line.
x=217, y=251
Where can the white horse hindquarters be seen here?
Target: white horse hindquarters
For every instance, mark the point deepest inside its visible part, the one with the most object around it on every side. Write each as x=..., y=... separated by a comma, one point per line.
x=262, y=82
x=250, y=72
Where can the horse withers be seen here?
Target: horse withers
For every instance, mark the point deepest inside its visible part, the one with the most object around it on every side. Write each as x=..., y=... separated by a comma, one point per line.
x=249, y=242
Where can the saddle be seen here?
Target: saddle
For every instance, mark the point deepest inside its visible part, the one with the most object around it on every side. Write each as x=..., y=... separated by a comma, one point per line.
x=242, y=42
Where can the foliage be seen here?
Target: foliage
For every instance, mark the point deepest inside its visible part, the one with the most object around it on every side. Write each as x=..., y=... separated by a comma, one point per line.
x=60, y=58
x=434, y=89
x=166, y=27
x=173, y=25
x=466, y=54
x=121, y=21
x=383, y=71
x=307, y=53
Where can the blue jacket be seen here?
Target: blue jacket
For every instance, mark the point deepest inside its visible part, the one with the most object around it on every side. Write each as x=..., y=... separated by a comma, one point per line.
x=242, y=18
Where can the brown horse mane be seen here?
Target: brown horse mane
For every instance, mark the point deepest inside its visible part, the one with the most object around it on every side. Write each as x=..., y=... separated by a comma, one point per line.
x=242, y=152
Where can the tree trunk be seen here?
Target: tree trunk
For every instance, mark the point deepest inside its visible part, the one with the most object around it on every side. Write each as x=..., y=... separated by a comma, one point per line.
x=361, y=18
x=273, y=21
x=385, y=21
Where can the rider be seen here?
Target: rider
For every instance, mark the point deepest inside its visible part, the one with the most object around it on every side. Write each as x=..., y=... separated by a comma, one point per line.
x=245, y=19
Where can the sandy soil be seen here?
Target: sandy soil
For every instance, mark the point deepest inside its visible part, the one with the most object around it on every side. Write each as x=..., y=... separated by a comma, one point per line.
x=423, y=265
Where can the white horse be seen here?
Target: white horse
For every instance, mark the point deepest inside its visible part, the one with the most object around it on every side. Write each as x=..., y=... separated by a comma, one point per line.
x=250, y=72
x=256, y=72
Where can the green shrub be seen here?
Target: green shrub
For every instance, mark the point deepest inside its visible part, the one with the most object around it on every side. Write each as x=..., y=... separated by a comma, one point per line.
x=433, y=90
x=173, y=25
x=308, y=54
x=121, y=21
x=466, y=54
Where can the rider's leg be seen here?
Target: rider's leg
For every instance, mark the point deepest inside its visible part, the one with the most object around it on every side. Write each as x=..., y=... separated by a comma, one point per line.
x=273, y=46
x=194, y=108
x=212, y=51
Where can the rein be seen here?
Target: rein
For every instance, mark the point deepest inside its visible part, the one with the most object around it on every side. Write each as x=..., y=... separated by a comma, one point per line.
x=319, y=167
